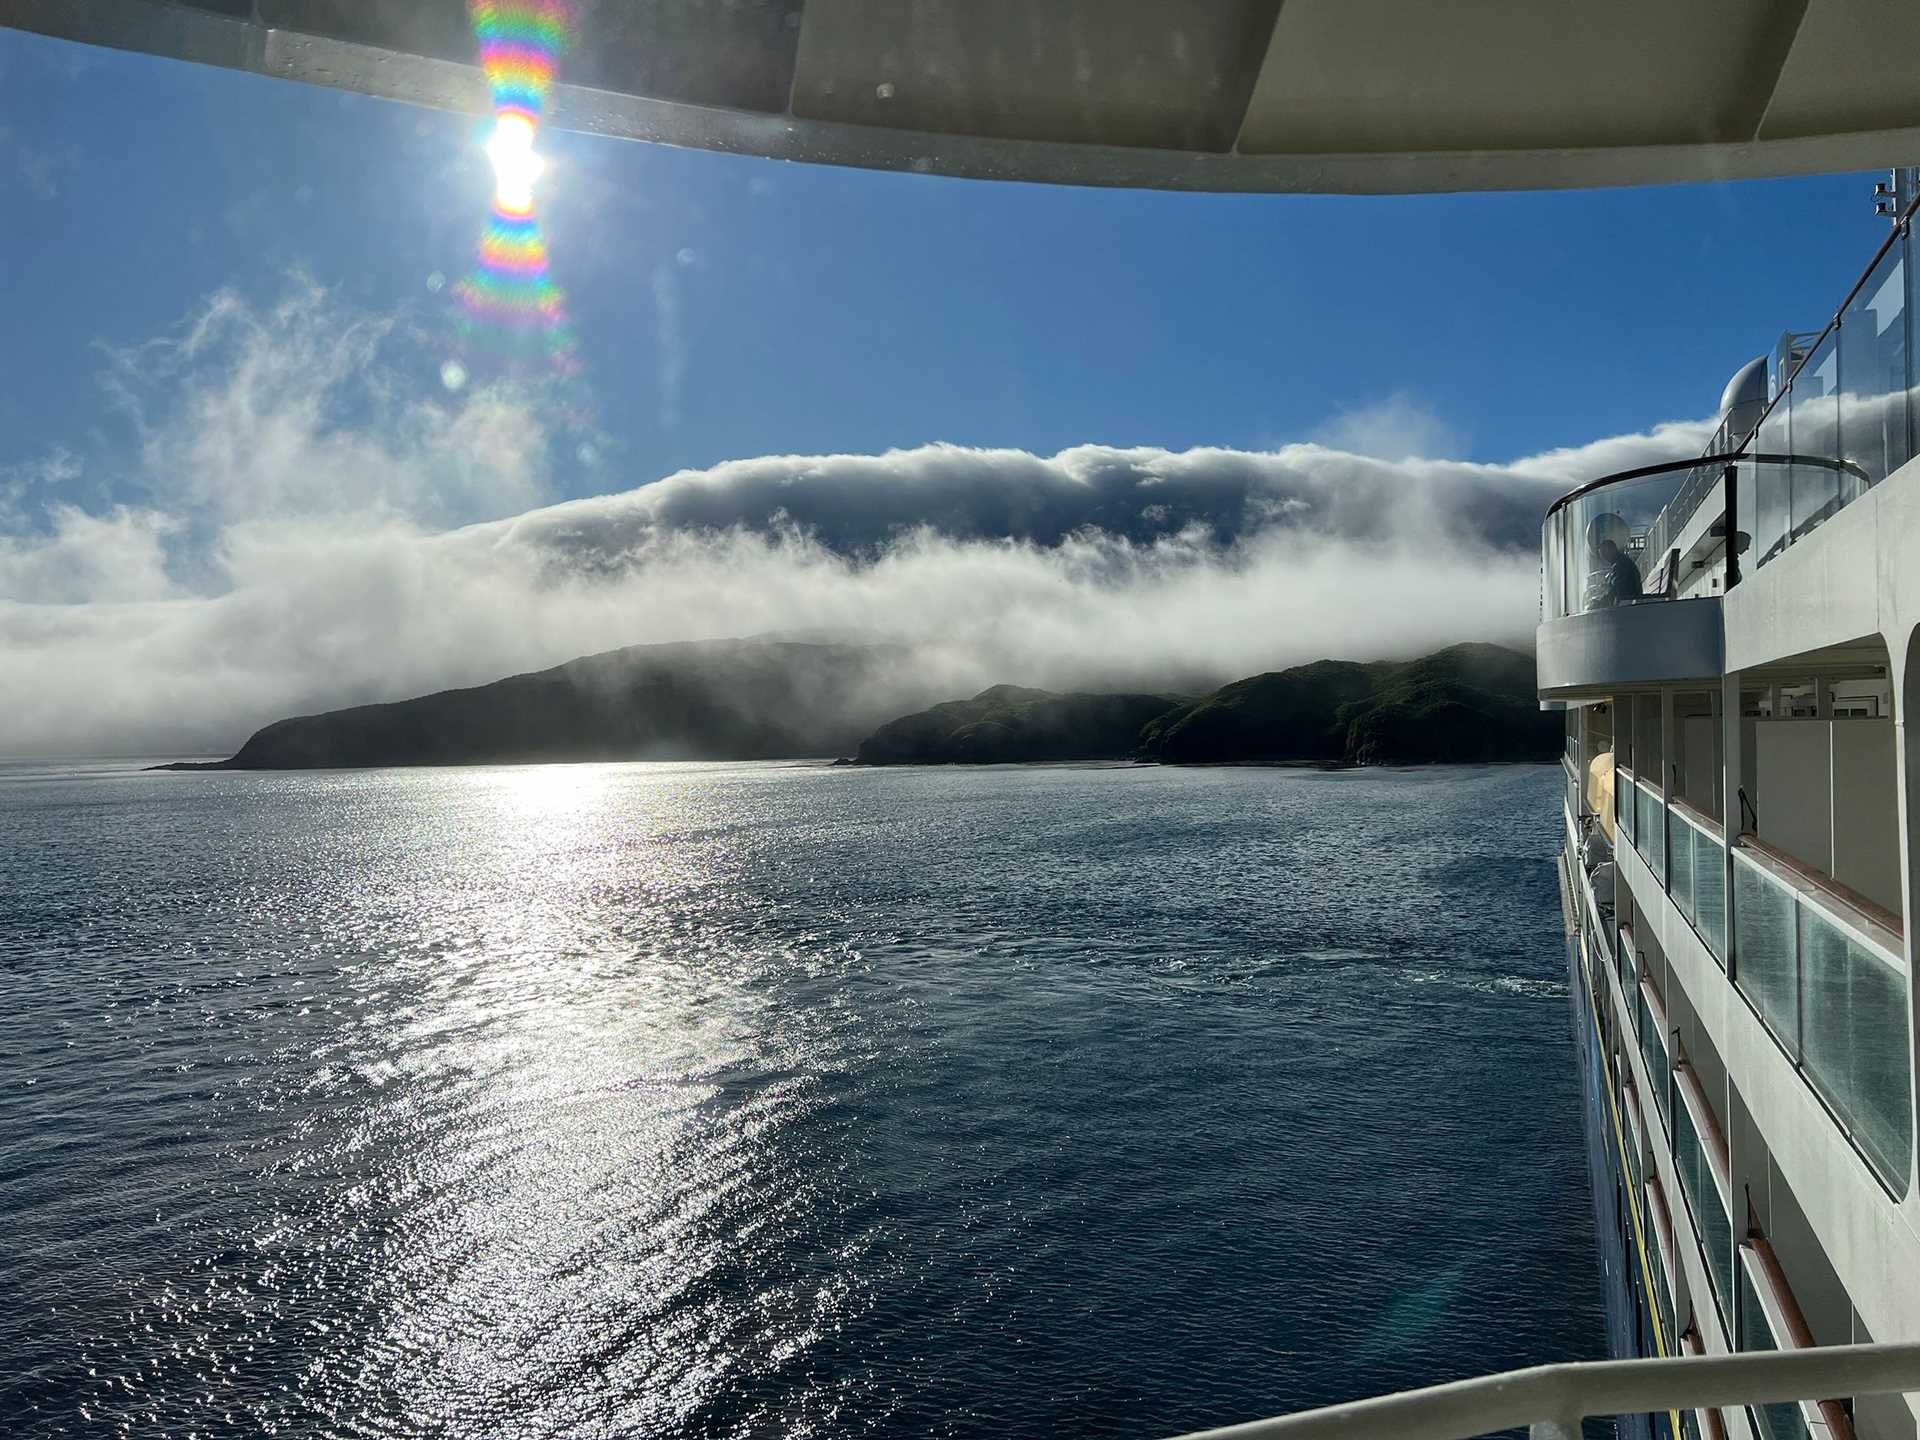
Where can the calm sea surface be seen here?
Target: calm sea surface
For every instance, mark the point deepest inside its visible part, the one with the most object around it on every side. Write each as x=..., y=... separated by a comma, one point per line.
x=765, y=1100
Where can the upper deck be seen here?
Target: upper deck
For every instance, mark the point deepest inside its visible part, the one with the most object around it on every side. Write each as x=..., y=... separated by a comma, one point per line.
x=1692, y=569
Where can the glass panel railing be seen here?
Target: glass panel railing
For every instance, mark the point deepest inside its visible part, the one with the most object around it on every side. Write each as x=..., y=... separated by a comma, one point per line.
x=1814, y=491
x=1680, y=862
x=1875, y=374
x=1766, y=946
x=1662, y=1282
x=1629, y=972
x=1623, y=802
x=1834, y=993
x=1785, y=1420
x=1855, y=1037
x=1636, y=1158
x=1653, y=1050
x=1764, y=489
x=1843, y=420
x=1650, y=825
x=1710, y=890
x=1704, y=1200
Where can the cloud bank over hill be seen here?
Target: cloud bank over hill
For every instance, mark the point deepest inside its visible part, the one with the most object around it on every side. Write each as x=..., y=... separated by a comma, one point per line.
x=300, y=524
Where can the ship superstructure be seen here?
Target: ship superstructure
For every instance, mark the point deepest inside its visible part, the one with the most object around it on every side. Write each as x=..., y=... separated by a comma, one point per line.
x=1735, y=640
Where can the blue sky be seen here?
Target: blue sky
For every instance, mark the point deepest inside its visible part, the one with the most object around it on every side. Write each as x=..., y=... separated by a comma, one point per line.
x=233, y=487
x=811, y=310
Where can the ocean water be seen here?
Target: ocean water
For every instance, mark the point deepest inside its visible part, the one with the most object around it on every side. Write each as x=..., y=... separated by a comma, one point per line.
x=743, y=1100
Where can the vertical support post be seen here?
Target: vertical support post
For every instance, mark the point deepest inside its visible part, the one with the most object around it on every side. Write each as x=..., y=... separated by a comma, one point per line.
x=1732, y=766
x=1669, y=772
x=1669, y=755
x=1731, y=479
x=1903, y=652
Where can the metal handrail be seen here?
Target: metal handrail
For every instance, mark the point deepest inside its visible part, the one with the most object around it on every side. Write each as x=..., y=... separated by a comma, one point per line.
x=1554, y=1399
x=1731, y=457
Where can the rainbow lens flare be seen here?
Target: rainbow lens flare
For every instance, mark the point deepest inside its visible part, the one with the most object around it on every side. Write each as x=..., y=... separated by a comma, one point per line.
x=510, y=297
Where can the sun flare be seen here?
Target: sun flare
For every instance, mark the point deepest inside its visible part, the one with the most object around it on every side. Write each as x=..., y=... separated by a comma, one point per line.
x=516, y=165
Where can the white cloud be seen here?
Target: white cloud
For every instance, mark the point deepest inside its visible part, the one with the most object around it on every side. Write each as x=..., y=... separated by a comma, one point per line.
x=1397, y=428
x=84, y=559
x=325, y=525
x=298, y=410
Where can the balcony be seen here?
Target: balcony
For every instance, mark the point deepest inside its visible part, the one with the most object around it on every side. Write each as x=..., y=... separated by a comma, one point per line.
x=1824, y=969
x=1610, y=617
x=1634, y=564
x=1770, y=1320
x=1700, y=1159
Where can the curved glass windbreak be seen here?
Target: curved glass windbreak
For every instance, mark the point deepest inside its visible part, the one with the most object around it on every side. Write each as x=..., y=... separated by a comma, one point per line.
x=1845, y=415
x=1660, y=533
x=1595, y=544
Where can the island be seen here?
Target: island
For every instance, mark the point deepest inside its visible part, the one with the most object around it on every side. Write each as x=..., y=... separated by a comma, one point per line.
x=1466, y=703
x=764, y=699
x=748, y=699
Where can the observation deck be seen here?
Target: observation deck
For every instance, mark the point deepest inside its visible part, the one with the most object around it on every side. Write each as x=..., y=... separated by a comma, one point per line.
x=1640, y=568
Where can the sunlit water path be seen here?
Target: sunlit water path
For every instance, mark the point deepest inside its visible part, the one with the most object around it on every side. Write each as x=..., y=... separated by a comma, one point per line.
x=757, y=1100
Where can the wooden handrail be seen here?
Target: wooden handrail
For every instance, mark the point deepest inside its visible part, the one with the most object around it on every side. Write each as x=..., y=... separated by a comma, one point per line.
x=1694, y=1096
x=1798, y=1336
x=1706, y=822
x=1710, y=1421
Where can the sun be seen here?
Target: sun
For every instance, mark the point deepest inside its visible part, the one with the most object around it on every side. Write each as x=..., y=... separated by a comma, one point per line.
x=515, y=164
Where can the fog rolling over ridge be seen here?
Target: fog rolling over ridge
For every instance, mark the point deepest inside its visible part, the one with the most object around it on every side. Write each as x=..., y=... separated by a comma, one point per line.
x=308, y=538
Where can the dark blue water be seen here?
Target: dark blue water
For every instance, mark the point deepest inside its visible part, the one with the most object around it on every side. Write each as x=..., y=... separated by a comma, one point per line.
x=757, y=1100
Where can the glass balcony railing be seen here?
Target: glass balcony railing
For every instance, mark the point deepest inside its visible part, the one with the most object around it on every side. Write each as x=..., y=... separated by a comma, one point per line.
x=1629, y=971
x=1650, y=829
x=1652, y=1025
x=1679, y=846
x=1705, y=1200
x=1697, y=878
x=1843, y=417
x=1831, y=984
x=1623, y=802
x=1661, y=1254
x=1784, y=1420
x=1595, y=541
x=1636, y=1145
